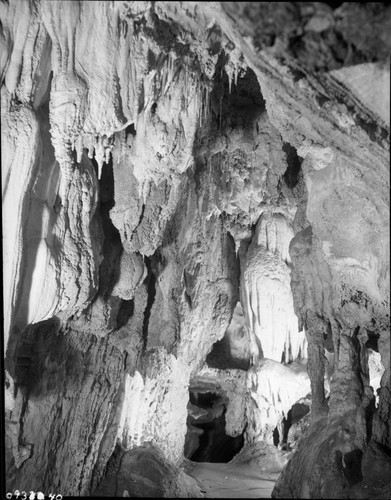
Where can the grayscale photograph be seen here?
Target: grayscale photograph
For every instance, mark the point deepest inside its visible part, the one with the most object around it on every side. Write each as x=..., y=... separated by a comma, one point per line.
x=195, y=249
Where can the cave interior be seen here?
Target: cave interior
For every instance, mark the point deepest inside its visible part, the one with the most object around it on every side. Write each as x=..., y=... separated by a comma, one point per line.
x=196, y=248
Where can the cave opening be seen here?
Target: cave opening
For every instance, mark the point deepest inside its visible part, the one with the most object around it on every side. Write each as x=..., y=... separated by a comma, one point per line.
x=150, y=282
x=222, y=358
x=236, y=101
x=109, y=268
x=276, y=437
x=291, y=175
x=372, y=342
x=112, y=245
x=295, y=415
x=206, y=438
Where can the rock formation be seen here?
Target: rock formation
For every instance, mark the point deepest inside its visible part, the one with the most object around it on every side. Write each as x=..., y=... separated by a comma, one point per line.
x=195, y=243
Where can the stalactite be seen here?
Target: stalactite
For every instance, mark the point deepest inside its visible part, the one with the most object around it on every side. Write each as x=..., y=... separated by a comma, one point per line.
x=99, y=155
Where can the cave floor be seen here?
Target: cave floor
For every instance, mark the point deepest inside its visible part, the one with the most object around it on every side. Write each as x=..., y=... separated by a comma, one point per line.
x=219, y=480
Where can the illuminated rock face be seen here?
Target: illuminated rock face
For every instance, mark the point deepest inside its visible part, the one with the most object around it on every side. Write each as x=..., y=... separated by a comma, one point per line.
x=266, y=292
x=273, y=389
x=193, y=195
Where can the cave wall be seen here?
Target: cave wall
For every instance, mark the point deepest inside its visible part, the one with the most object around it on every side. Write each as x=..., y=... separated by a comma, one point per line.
x=161, y=161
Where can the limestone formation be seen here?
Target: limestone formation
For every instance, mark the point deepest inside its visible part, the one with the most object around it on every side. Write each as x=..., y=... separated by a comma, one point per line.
x=196, y=245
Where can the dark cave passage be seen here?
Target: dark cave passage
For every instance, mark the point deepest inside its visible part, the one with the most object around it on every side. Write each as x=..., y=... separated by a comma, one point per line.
x=298, y=411
x=221, y=357
x=109, y=269
x=112, y=246
x=206, y=439
x=276, y=437
x=236, y=104
x=291, y=176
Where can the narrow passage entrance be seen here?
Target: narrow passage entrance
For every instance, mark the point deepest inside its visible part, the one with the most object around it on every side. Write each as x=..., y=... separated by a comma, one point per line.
x=207, y=440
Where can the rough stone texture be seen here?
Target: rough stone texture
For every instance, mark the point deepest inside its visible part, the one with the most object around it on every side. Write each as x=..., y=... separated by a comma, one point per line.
x=273, y=389
x=145, y=472
x=233, y=350
x=318, y=36
x=370, y=83
x=255, y=402
x=265, y=456
x=335, y=468
x=297, y=431
x=162, y=160
x=266, y=293
x=75, y=379
x=231, y=385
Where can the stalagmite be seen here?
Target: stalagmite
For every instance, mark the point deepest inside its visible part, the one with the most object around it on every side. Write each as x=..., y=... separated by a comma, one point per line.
x=267, y=298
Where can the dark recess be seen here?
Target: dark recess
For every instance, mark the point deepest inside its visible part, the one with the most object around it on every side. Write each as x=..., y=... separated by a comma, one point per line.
x=150, y=281
x=287, y=359
x=125, y=312
x=296, y=413
x=334, y=5
x=297, y=73
x=214, y=444
x=352, y=466
x=220, y=357
x=130, y=130
x=372, y=342
x=203, y=399
x=291, y=175
x=240, y=106
x=112, y=245
x=276, y=437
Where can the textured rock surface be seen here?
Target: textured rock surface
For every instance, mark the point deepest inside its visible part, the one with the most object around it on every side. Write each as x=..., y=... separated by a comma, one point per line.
x=234, y=349
x=266, y=293
x=145, y=472
x=268, y=459
x=273, y=389
x=160, y=162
